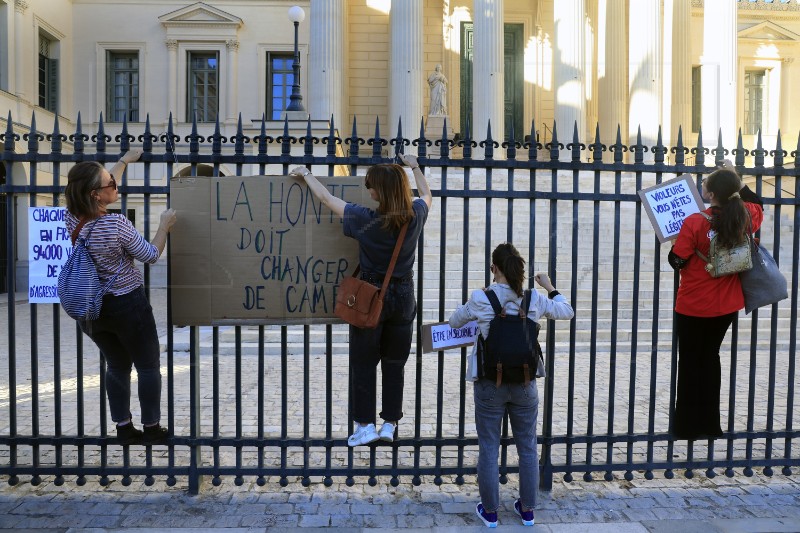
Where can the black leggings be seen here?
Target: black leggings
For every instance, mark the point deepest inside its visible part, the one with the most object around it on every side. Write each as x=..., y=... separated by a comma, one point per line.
x=699, y=375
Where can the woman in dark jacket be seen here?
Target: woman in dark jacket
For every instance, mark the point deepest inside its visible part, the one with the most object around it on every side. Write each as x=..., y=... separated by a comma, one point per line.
x=390, y=342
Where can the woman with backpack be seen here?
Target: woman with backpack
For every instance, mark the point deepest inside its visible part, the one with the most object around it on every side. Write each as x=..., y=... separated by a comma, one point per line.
x=520, y=399
x=125, y=331
x=705, y=306
x=377, y=232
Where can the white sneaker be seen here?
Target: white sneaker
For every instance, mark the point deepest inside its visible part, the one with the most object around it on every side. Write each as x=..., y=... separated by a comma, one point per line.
x=387, y=431
x=363, y=435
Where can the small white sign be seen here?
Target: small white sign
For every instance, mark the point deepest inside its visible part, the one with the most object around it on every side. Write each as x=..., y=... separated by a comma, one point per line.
x=48, y=248
x=669, y=203
x=440, y=336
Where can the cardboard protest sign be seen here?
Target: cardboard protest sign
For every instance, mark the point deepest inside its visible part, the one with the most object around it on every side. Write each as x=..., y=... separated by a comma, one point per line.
x=258, y=249
x=669, y=203
x=48, y=248
x=440, y=336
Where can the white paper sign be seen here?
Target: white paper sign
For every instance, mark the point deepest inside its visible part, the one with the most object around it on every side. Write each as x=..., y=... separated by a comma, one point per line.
x=48, y=248
x=669, y=203
x=440, y=336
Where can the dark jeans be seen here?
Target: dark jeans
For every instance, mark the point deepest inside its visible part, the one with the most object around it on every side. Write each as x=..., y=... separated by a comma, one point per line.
x=699, y=375
x=521, y=402
x=126, y=335
x=389, y=343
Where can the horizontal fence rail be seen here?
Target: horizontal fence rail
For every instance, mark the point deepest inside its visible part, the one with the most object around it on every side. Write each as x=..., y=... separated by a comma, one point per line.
x=270, y=402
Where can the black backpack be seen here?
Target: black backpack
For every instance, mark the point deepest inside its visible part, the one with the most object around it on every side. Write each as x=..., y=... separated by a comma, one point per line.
x=511, y=353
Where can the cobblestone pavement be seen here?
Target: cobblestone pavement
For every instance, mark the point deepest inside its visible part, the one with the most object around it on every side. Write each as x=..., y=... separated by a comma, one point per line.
x=756, y=504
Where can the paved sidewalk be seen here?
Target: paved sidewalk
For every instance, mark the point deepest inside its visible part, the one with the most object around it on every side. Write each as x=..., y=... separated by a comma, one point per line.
x=757, y=504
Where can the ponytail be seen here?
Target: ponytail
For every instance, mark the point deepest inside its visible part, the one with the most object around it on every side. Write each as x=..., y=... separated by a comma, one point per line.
x=511, y=264
x=731, y=219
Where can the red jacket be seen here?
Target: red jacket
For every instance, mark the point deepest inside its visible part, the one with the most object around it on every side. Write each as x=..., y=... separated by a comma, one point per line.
x=699, y=294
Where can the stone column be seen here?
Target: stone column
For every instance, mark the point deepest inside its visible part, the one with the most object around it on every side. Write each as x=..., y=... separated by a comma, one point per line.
x=613, y=71
x=568, y=68
x=326, y=62
x=231, y=82
x=488, y=70
x=785, y=120
x=590, y=61
x=645, y=59
x=19, y=48
x=406, y=79
x=172, y=80
x=719, y=73
x=681, y=114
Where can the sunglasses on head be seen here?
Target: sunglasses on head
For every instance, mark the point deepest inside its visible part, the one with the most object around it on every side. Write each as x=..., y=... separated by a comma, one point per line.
x=112, y=184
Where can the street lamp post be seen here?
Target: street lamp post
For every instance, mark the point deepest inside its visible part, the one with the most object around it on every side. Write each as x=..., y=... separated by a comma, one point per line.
x=296, y=15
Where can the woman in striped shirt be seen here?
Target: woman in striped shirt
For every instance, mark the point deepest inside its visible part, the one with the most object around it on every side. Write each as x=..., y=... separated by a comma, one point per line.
x=126, y=330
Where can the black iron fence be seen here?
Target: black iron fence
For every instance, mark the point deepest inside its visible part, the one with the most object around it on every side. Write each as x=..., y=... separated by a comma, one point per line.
x=270, y=401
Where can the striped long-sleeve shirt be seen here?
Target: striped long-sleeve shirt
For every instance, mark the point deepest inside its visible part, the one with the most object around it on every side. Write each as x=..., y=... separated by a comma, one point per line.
x=113, y=240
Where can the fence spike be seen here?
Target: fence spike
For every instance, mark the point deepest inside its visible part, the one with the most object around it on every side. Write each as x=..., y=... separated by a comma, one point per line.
x=78, y=137
x=778, y=153
x=124, y=137
x=739, y=152
x=100, y=138
x=309, y=141
x=238, y=139
x=468, y=143
x=285, y=141
x=511, y=144
x=533, y=143
x=759, y=151
x=331, y=140
x=170, y=139
x=376, y=141
x=638, y=148
x=700, y=151
x=658, y=149
x=33, y=136
x=10, y=137
x=354, y=141
x=576, y=145
x=488, y=144
x=444, y=142
x=56, y=138
x=194, y=138
x=262, y=136
x=679, y=150
x=398, y=141
x=147, y=136
x=719, y=151
x=554, y=144
x=421, y=142
x=618, y=148
x=216, y=139
x=795, y=154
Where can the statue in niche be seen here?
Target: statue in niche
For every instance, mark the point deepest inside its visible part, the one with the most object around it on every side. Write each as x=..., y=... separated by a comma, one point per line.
x=438, y=84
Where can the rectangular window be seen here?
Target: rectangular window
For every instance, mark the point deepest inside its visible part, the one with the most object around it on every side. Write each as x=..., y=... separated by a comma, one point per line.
x=697, y=99
x=280, y=79
x=203, y=83
x=48, y=76
x=122, y=86
x=754, y=90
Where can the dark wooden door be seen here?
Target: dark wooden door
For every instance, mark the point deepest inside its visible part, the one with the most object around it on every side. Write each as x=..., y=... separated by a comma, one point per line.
x=513, y=57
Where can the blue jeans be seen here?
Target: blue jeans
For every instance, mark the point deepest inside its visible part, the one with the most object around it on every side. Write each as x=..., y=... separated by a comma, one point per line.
x=522, y=404
x=389, y=343
x=126, y=335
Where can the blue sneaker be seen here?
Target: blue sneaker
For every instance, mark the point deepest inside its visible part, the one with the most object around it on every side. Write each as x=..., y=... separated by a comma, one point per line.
x=527, y=516
x=490, y=519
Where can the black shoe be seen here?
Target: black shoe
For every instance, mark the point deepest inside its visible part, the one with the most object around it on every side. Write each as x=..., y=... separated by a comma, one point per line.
x=155, y=435
x=128, y=434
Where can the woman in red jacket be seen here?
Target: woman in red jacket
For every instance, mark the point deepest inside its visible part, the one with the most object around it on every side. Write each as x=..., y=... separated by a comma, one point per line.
x=706, y=306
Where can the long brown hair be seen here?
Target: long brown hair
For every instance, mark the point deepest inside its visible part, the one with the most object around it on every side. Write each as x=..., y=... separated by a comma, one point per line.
x=731, y=219
x=394, y=195
x=511, y=264
x=82, y=179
